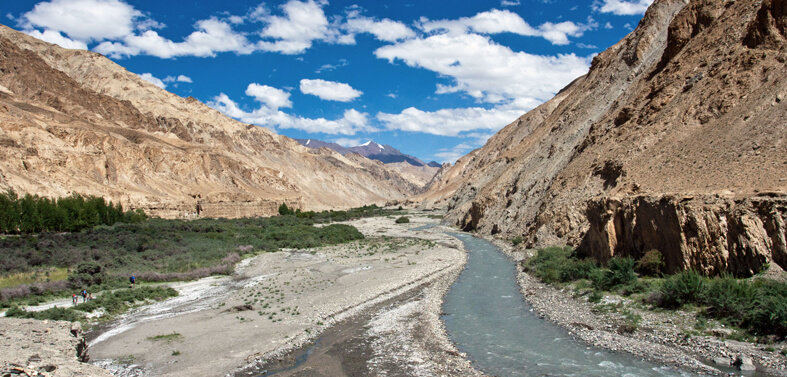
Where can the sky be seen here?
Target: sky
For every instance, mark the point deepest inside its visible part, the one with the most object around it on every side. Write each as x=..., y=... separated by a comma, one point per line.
x=434, y=79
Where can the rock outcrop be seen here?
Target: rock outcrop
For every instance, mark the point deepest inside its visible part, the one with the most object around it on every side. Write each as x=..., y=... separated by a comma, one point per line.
x=31, y=347
x=690, y=104
x=74, y=121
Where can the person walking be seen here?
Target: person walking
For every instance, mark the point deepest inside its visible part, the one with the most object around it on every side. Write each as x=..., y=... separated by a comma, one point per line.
x=133, y=281
x=84, y=295
x=74, y=299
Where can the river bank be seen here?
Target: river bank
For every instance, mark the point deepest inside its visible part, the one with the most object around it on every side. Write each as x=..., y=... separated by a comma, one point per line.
x=662, y=337
x=279, y=302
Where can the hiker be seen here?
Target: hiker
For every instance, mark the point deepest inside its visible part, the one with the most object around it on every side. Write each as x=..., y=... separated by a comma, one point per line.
x=133, y=281
x=90, y=297
x=84, y=295
x=74, y=299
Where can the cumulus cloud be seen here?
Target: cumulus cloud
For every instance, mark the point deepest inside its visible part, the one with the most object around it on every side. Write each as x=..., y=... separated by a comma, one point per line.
x=453, y=154
x=351, y=122
x=450, y=122
x=301, y=24
x=498, y=21
x=623, y=7
x=486, y=70
x=55, y=37
x=346, y=142
x=179, y=78
x=153, y=80
x=212, y=36
x=88, y=20
x=385, y=30
x=272, y=97
x=330, y=90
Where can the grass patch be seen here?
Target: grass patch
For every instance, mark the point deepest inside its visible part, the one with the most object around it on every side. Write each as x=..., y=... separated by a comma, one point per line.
x=40, y=275
x=166, y=337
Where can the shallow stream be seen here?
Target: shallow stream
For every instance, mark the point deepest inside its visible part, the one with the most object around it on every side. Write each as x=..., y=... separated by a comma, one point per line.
x=487, y=319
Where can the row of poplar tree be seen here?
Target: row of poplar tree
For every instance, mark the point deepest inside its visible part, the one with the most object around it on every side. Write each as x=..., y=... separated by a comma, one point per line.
x=34, y=214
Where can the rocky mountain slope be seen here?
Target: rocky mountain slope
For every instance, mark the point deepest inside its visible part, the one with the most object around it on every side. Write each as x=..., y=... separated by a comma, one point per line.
x=74, y=121
x=675, y=140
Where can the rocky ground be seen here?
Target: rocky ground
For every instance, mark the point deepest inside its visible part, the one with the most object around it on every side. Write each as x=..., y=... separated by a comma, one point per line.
x=671, y=338
x=371, y=293
x=44, y=348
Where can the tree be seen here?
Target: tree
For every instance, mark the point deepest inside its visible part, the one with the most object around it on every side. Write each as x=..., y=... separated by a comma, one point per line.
x=284, y=210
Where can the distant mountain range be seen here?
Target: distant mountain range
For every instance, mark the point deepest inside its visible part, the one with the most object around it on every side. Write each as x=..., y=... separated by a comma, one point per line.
x=384, y=153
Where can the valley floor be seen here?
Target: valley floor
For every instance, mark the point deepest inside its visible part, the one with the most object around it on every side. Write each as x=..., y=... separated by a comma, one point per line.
x=372, y=305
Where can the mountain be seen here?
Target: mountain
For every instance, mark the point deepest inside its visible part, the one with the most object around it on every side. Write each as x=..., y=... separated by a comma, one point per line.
x=317, y=144
x=384, y=153
x=674, y=141
x=74, y=121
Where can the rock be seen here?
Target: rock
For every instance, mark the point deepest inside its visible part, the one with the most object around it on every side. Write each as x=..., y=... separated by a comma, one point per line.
x=744, y=363
x=725, y=361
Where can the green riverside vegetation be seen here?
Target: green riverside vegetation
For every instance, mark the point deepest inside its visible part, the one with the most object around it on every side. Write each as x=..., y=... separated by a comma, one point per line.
x=104, y=255
x=758, y=306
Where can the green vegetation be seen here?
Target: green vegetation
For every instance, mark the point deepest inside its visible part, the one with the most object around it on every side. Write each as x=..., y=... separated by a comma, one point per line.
x=403, y=220
x=166, y=337
x=517, y=240
x=111, y=302
x=33, y=214
x=758, y=306
x=48, y=264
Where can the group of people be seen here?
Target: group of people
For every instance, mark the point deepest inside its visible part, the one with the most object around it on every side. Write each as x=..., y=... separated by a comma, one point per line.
x=85, y=296
x=89, y=296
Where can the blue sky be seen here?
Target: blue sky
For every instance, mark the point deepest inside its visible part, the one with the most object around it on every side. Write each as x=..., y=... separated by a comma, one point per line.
x=434, y=79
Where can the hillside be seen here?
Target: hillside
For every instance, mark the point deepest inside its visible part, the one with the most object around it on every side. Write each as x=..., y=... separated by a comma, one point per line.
x=674, y=140
x=74, y=121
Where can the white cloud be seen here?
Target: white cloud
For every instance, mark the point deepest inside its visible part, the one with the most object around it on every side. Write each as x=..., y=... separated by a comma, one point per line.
x=345, y=142
x=330, y=90
x=608, y=26
x=179, y=78
x=509, y=3
x=486, y=70
x=350, y=123
x=153, y=80
x=588, y=46
x=450, y=122
x=272, y=97
x=504, y=21
x=302, y=24
x=88, y=20
x=332, y=67
x=453, y=154
x=623, y=7
x=55, y=37
x=384, y=30
x=212, y=36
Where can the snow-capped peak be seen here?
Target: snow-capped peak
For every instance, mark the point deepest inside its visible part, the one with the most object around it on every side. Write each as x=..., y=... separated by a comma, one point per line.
x=366, y=143
x=308, y=141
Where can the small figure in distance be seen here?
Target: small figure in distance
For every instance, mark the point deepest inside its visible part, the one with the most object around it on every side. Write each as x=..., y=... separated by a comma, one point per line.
x=84, y=295
x=89, y=296
x=133, y=281
x=74, y=299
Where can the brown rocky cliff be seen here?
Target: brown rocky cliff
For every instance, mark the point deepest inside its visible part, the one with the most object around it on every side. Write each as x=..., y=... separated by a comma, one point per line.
x=690, y=104
x=73, y=121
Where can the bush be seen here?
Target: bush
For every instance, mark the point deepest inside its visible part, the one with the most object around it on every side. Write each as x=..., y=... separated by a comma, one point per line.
x=727, y=296
x=403, y=220
x=87, y=274
x=682, y=288
x=620, y=272
x=651, y=263
x=559, y=265
x=517, y=240
x=770, y=309
x=55, y=314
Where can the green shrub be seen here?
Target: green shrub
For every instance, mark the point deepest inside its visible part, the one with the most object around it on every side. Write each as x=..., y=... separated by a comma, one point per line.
x=651, y=263
x=559, y=265
x=727, y=296
x=682, y=288
x=54, y=314
x=517, y=240
x=403, y=220
x=87, y=274
x=769, y=315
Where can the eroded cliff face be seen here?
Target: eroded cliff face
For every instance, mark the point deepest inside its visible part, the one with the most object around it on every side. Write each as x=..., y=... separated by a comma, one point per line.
x=691, y=104
x=710, y=234
x=74, y=121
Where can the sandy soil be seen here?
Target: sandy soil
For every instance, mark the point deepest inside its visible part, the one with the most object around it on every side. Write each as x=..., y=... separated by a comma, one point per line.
x=279, y=302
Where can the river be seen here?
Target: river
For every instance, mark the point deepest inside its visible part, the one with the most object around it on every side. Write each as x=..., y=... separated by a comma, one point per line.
x=486, y=317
